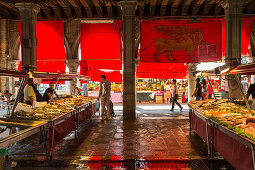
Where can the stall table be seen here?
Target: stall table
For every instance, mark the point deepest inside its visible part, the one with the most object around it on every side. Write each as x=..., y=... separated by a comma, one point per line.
x=237, y=150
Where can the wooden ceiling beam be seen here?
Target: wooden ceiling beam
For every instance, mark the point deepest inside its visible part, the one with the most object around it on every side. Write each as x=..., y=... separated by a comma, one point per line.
x=11, y=8
x=208, y=6
x=108, y=5
x=185, y=7
x=98, y=8
x=5, y=12
x=76, y=7
x=196, y=7
x=56, y=9
x=152, y=7
x=87, y=8
x=67, y=8
x=218, y=7
x=163, y=7
x=141, y=8
x=251, y=7
x=174, y=7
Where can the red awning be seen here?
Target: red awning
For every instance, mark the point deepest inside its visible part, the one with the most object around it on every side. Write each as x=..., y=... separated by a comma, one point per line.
x=50, y=49
x=162, y=70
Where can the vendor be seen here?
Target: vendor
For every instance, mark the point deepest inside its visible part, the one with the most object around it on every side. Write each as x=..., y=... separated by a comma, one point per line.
x=48, y=95
x=29, y=94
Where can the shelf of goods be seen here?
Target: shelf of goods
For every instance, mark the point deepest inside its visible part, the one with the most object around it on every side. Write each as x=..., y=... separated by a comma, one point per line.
x=226, y=127
x=52, y=121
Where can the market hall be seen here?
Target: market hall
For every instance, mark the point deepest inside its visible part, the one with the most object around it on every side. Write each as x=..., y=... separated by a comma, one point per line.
x=110, y=74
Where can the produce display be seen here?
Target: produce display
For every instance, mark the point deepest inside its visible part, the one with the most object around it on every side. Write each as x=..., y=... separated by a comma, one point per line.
x=52, y=110
x=232, y=115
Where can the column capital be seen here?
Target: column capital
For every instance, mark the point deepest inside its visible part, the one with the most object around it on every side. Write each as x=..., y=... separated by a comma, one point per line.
x=234, y=7
x=73, y=65
x=192, y=67
x=12, y=64
x=128, y=7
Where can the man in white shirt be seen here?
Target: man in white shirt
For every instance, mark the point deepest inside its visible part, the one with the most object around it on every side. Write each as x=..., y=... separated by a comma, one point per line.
x=29, y=94
x=175, y=96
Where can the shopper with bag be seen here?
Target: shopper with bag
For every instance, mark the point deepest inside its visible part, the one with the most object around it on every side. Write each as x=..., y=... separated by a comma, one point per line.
x=175, y=96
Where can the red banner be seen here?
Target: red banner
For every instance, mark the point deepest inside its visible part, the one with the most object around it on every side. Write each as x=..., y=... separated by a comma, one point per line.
x=180, y=41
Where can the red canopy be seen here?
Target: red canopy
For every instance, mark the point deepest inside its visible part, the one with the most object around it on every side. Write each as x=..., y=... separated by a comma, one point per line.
x=101, y=49
x=50, y=49
x=162, y=70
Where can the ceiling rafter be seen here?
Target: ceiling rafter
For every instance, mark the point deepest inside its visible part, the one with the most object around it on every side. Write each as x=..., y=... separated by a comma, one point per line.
x=251, y=7
x=108, y=5
x=56, y=9
x=196, y=6
x=174, y=7
x=76, y=7
x=6, y=13
x=141, y=8
x=163, y=7
x=66, y=7
x=208, y=6
x=218, y=7
x=152, y=8
x=185, y=7
x=87, y=8
x=98, y=8
x=45, y=7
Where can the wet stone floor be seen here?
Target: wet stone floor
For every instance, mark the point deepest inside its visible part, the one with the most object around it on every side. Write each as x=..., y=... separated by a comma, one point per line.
x=157, y=139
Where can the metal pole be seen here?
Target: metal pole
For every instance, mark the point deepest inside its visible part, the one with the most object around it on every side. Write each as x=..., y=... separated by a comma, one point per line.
x=229, y=95
x=241, y=87
x=18, y=95
x=211, y=87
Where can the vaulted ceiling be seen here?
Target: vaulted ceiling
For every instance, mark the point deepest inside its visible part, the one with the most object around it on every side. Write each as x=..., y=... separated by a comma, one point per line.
x=67, y=9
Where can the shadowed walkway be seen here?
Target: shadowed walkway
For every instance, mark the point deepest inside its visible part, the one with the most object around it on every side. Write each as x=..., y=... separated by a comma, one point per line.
x=159, y=135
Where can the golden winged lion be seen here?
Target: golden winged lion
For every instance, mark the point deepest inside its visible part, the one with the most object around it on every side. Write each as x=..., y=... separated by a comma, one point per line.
x=181, y=38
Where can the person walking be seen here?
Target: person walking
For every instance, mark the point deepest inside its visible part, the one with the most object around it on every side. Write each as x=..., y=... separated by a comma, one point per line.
x=105, y=95
x=167, y=93
x=175, y=96
x=198, y=91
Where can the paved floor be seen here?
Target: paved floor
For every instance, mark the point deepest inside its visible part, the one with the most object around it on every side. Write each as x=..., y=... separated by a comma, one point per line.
x=157, y=139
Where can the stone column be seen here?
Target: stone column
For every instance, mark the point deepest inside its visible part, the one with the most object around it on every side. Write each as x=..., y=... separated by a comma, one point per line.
x=12, y=65
x=72, y=65
x=3, y=50
x=28, y=20
x=192, y=68
x=233, y=17
x=129, y=68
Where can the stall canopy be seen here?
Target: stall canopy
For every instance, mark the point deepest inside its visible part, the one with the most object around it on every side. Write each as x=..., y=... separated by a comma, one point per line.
x=247, y=69
x=162, y=70
x=50, y=49
x=101, y=50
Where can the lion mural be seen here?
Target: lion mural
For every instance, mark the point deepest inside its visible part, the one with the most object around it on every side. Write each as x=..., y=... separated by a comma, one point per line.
x=181, y=38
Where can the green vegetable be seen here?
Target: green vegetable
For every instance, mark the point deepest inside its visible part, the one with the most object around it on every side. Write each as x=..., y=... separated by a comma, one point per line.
x=237, y=130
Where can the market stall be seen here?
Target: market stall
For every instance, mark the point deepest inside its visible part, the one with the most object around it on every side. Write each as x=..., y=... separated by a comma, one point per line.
x=53, y=121
x=227, y=126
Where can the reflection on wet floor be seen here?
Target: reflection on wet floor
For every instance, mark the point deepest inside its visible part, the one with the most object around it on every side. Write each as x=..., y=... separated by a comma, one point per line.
x=149, y=142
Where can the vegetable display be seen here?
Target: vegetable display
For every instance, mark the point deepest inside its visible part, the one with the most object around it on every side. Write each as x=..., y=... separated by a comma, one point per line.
x=232, y=115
